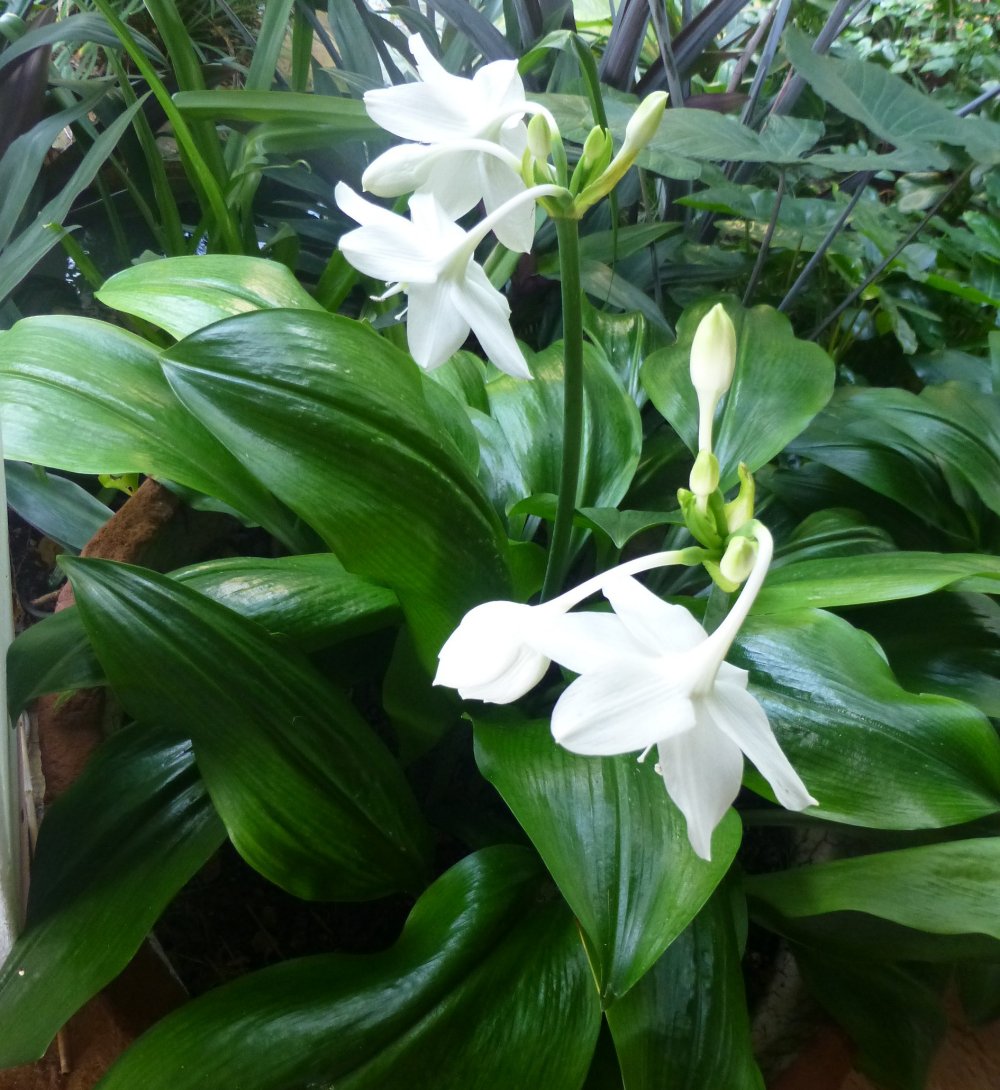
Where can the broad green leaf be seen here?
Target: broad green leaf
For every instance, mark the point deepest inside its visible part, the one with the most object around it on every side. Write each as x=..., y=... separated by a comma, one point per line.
x=307, y=601
x=613, y=841
x=88, y=397
x=111, y=854
x=705, y=134
x=530, y=416
x=309, y=794
x=878, y=577
x=947, y=889
x=487, y=987
x=893, y=109
x=914, y=449
x=56, y=506
x=870, y=752
x=832, y=532
x=334, y=420
x=957, y=654
x=779, y=385
x=684, y=1026
x=184, y=294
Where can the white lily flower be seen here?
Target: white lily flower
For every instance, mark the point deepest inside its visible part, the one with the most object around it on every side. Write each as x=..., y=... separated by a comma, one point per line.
x=431, y=259
x=651, y=676
x=471, y=137
x=494, y=655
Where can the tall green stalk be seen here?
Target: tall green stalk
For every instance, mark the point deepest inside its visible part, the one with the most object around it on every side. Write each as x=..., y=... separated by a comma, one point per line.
x=568, y=232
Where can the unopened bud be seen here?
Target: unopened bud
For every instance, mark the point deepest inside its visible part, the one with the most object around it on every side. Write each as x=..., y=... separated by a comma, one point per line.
x=638, y=132
x=740, y=510
x=643, y=124
x=713, y=359
x=594, y=158
x=704, y=474
x=738, y=560
x=699, y=521
x=539, y=137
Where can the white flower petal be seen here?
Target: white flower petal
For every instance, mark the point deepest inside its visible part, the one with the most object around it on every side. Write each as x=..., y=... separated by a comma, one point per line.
x=621, y=709
x=364, y=212
x=485, y=658
x=582, y=642
x=389, y=253
x=498, y=86
x=453, y=178
x=429, y=68
x=702, y=770
x=435, y=328
x=741, y=718
x=488, y=315
x=659, y=626
x=516, y=230
x=428, y=112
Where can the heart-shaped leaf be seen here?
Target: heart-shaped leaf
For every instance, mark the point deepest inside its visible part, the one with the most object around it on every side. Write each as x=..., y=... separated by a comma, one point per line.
x=779, y=385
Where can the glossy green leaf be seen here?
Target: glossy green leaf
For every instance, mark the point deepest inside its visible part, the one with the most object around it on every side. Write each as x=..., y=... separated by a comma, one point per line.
x=184, y=294
x=779, y=385
x=530, y=416
x=487, y=987
x=684, y=1026
x=111, y=854
x=956, y=654
x=879, y=577
x=613, y=841
x=870, y=752
x=947, y=889
x=309, y=795
x=54, y=505
x=307, y=601
x=334, y=420
x=832, y=532
x=937, y=441
x=88, y=397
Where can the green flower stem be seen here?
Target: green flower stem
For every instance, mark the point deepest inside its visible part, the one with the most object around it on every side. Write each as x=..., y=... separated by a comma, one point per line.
x=568, y=234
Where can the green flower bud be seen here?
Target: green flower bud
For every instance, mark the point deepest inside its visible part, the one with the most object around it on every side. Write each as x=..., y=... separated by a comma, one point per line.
x=738, y=559
x=740, y=510
x=638, y=132
x=704, y=474
x=713, y=359
x=700, y=522
x=594, y=159
x=539, y=137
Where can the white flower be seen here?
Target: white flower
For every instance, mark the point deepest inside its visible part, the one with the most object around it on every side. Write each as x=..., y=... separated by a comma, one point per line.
x=494, y=654
x=431, y=259
x=651, y=676
x=471, y=139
